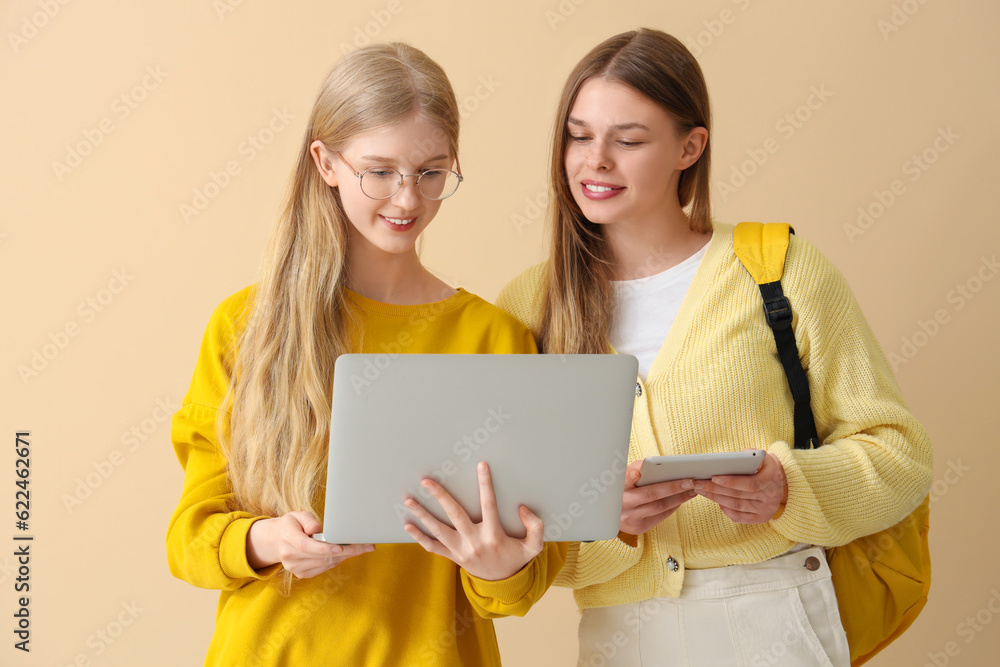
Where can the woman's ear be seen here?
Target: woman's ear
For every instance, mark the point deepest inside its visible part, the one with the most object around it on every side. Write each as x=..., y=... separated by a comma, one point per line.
x=694, y=145
x=320, y=156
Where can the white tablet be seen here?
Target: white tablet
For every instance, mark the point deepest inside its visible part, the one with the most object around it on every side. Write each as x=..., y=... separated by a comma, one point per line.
x=657, y=469
x=554, y=430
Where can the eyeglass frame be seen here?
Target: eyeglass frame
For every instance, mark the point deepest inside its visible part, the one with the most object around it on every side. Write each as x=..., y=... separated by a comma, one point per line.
x=402, y=179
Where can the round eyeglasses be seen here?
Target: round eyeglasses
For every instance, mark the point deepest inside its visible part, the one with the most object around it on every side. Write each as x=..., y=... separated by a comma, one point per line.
x=384, y=182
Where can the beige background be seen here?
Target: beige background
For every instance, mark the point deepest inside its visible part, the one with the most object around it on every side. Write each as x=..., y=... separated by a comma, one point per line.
x=893, y=73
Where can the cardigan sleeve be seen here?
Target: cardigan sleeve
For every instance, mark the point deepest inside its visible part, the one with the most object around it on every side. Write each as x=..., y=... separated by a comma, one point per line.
x=522, y=297
x=206, y=541
x=875, y=465
x=592, y=563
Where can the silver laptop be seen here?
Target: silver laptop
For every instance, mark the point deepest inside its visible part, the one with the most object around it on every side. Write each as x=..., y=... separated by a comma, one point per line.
x=554, y=430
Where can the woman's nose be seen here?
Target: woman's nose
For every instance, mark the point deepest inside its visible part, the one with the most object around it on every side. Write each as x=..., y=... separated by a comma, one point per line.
x=408, y=195
x=597, y=157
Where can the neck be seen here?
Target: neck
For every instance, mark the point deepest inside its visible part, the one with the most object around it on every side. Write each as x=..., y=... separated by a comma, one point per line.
x=398, y=279
x=646, y=247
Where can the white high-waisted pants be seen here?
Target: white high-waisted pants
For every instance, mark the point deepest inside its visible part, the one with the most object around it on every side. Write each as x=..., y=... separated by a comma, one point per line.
x=777, y=612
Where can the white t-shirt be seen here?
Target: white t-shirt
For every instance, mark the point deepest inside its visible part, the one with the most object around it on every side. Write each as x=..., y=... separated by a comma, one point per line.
x=646, y=308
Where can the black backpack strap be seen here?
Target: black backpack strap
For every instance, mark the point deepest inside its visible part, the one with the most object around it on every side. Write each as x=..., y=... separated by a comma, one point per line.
x=761, y=249
x=778, y=310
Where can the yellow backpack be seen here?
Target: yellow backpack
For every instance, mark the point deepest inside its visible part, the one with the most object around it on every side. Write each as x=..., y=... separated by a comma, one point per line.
x=881, y=580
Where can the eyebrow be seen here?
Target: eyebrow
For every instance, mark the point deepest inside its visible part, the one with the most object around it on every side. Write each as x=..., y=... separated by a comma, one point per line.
x=619, y=127
x=389, y=160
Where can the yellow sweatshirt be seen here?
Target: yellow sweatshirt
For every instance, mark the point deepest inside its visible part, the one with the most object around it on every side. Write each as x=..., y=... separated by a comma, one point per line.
x=396, y=606
x=716, y=385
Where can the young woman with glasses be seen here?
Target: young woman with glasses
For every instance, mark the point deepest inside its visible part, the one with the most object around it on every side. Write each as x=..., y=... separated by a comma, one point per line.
x=341, y=274
x=720, y=572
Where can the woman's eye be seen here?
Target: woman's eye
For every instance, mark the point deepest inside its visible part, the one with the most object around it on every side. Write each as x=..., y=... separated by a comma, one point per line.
x=579, y=138
x=629, y=144
x=382, y=173
x=431, y=174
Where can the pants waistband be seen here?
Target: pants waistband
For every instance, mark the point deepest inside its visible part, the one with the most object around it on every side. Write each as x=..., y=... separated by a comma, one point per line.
x=785, y=571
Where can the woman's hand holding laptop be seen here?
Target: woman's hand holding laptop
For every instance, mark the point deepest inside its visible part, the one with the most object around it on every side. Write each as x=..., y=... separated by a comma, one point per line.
x=482, y=549
x=287, y=540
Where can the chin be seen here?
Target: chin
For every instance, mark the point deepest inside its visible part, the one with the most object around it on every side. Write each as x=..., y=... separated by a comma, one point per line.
x=389, y=246
x=395, y=248
x=596, y=215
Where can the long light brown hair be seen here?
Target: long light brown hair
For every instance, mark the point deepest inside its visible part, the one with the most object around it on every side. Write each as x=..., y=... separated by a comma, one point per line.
x=298, y=324
x=578, y=298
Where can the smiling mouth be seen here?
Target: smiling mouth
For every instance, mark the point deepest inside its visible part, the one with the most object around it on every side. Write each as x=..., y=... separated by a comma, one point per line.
x=599, y=188
x=399, y=222
x=600, y=191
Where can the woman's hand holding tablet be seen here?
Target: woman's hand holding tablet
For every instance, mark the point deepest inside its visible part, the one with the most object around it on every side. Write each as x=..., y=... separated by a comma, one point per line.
x=755, y=498
x=645, y=506
x=748, y=486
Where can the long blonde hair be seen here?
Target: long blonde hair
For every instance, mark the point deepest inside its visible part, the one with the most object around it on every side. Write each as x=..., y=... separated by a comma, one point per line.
x=298, y=324
x=578, y=299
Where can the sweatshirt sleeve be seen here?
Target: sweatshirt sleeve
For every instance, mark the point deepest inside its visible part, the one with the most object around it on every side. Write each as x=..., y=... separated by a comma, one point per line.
x=875, y=465
x=515, y=595
x=206, y=541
